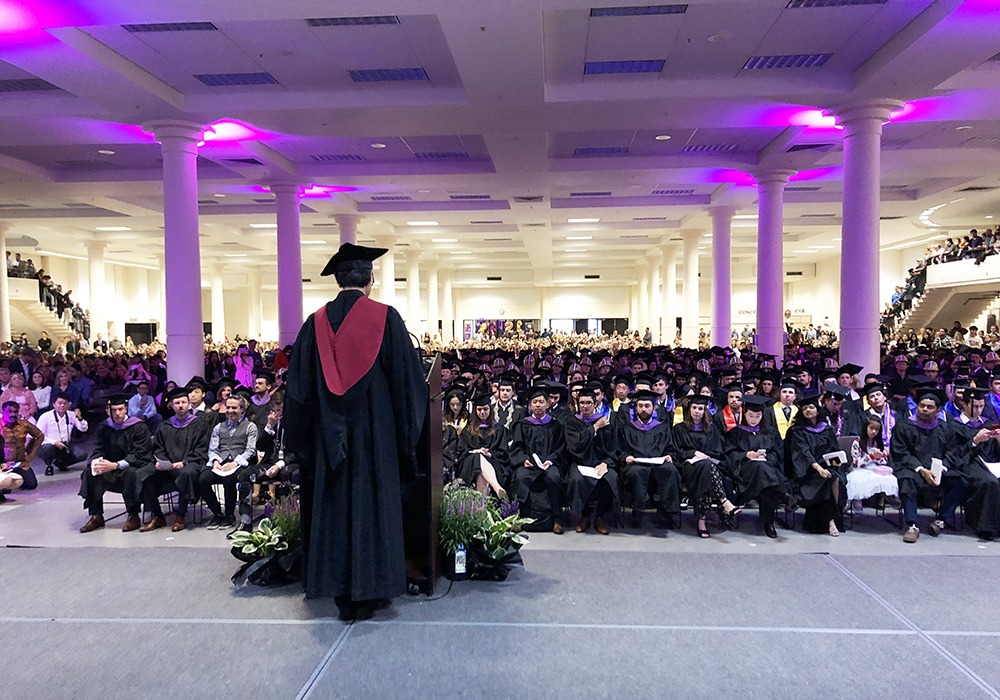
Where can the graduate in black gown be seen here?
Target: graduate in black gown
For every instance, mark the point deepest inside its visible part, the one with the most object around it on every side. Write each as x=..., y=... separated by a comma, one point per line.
x=698, y=452
x=355, y=404
x=975, y=441
x=823, y=486
x=755, y=461
x=482, y=450
x=916, y=442
x=590, y=442
x=645, y=436
x=538, y=488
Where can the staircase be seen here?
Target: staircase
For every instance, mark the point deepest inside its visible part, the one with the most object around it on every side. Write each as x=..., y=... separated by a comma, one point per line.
x=39, y=319
x=957, y=291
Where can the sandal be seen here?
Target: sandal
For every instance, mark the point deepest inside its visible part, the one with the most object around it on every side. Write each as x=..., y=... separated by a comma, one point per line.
x=703, y=533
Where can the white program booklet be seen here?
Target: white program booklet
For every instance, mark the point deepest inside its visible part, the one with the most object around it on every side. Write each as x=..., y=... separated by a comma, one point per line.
x=994, y=467
x=650, y=460
x=937, y=469
x=834, y=459
x=588, y=471
x=538, y=461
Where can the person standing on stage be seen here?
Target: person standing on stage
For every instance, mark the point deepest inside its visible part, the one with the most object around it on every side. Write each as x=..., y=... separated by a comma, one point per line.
x=355, y=405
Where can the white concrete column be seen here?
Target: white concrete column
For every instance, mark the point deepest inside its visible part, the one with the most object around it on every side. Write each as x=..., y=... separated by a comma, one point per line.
x=433, y=309
x=155, y=301
x=690, y=322
x=348, y=224
x=413, y=315
x=161, y=282
x=447, y=306
x=5, y=332
x=81, y=289
x=770, y=272
x=181, y=247
x=859, y=257
x=655, y=296
x=121, y=291
x=253, y=317
x=670, y=310
x=140, y=281
x=387, y=271
x=218, y=304
x=643, y=319
x=722, y=288
x=286, y=199
x=99, y=300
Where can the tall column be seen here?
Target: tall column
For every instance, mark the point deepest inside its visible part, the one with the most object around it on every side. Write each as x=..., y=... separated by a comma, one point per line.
x=99, y=297
x=692, y=300
x=770, y=273
x=5, y=333
x=447, y=306
x=655, y=296
x=81, y=290
x=433, y=310
x=669, y=294
x=181, y=248
x=348, y=225
x=642, y=323
x=387, y=271
x=722, y=287
x=413, y=290
x=286, y=200
x=161, y=319
x=218, y=304
x=121, y=291
x=253, y=319
x=859, y=257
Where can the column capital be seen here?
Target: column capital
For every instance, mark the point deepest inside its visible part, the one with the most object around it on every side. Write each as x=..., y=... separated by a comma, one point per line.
x=285, y=188
x=350, y=218
x=96, y=244
x=387, y=241
x=691, y=234
x=5, y=227
x=875, y=110
x=430, y=259
x=176, y=129
x=722, y=212
x=773, y=176
x=655, y=255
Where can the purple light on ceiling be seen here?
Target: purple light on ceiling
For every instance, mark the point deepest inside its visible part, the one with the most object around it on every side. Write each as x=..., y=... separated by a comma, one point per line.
x=734, y=177
x=813, y=119
x=311, y=191
x=830, y=173
x=227, y=130
x=23, y=22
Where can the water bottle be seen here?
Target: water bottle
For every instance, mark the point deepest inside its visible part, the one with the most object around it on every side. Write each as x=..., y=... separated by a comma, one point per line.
x=460, y=559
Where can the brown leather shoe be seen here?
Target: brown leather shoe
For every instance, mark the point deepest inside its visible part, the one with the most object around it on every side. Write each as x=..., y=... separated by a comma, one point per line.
x=133, y=523
x=601, y=527
x=96, y=522
x=155, y=523
x=557, y=527
x=583, y=525
x=179, y=524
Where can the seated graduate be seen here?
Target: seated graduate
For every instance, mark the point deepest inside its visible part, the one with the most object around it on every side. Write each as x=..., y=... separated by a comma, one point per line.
x=697, y=452
x=976, y=444
x=755, y=461
x=558, y=402
x=506, y=412
x=732, y=412
x=278, y=466
x=180, y=450
x=231, y=448
x=454, y=417
x=647, y=437
x=784, y=409
x=122, y=449
x=482, y=450
x=916, y=442
x=841, y=413
x=871, y=473
x=823, y=486
x=538, y=435
x=590, y=442
x=878, y=404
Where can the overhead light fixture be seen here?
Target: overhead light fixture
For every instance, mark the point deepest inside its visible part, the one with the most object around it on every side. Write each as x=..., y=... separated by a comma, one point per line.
x=709, y=235
x=59, y=255
x=821, y=247
x=422, y=223
x=263, y=225
x=460, y=252
x=236, y=255
x=444, y=240
x=378, y=145
x=964, y=127
x=579, y=238
x=583, y=221
x=423, y=191
x=112, y=228
x=803, y=252
x=576, y=250
x=747, y=216
x=218, y=195
x=662, y=137
x=106, y=152
x=989, y=217
x=313, y=242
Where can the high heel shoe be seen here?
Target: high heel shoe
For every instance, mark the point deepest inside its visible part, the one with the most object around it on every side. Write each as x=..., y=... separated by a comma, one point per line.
x=730, y=518
x=703, y=532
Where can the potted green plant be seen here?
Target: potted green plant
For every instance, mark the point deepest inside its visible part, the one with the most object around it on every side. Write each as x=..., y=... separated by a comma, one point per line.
x=272, y=551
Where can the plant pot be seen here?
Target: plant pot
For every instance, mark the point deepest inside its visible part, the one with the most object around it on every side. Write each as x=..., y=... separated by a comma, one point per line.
x=483, y=566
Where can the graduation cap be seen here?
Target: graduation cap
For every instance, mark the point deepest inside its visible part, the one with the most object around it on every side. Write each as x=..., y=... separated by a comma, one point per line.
x=808, y=400
x=176, y=393
x=482, y=399
x=645, y=378
x=790, y=383
x=510, y=378
x=849, y=369
x=755, y=402
x=536, y=391
x=699, y=399
x=935, y=395
x=196, y=383
x=588, y=391
x=266, y=376
x=577, y=386
x=835, y=391
x=598, y=384
x=117, y=400
x=621, y=379
x=459, y=392
x=242, y=391
x=971, y=393
x=643, y=395
x=352, y=257
x=224, y=383
x=683, y=391
x=733, y=386
x=869, y=389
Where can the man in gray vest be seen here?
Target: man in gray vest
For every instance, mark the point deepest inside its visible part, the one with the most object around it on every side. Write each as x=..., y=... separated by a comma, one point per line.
x=232, y=448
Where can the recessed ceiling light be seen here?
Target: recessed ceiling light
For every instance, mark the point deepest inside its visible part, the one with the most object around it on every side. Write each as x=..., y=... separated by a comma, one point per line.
x=964, y=127
x=444, y=240
x=662, y=137
x=821, y=247
x=263, y=225
x=236, y=255
x=378, y=145
x=313, y=242
x=578, y=238
x=422, y=223
x=719, y=37
x=423, y=191
x=576, y=250
x=112, y=228
x=747, y=216
x=106, y=152
x=989, y=217
x=583, y=221
x=218, y=195
x=460, y=252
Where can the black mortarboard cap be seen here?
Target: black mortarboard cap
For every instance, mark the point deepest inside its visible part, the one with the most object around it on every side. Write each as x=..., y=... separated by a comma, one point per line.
x=352, y=257
x=117, y=400
x=807, y=400
x=935, y=395
x=177, y=393
x=482, y=399
x=848, y=369
x=699, y=398
x=536, y=391
x=970, y=393
x=643, y=395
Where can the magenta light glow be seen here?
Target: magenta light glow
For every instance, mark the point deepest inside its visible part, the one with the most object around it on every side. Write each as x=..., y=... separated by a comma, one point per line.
x=230, y=130
x=735, y=177
x=833, y=172
x=312, y=191
x=23, y=22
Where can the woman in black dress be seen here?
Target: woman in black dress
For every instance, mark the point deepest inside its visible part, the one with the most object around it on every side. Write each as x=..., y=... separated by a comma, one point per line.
x=823, y=486
x=482, y=450
x=755, y=461
x=697, y=453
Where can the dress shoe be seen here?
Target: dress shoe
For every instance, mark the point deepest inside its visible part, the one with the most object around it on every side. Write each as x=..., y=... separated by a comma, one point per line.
x=179, y=524
x=96, y=522
x=216, y=522
x=557, y=527
x=133, y=523
x=601, y=526
x=155, y=523
x=583, y=525
x=49, y=471
x=770, y=531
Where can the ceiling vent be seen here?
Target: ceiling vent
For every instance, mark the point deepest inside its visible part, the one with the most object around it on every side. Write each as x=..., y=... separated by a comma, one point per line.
x=977, y=188
x=530, y=199
x=461, y=197
x=497, y=240
x=387, y=75
x=821, y=147
x=441, y=155
x=532, y=225
x=608, y=67
x=817, y=216
x=352, y=21
x=79, y=205
x=633, y=237
x=895, y=144
x=802, y=189
x=649, y=218
x=243, y=161
x=793, y=273
x=26, y=85
x=170, y=27
x=494, y=279
x=325, y=224
x=16, y=205
x=485, y=222
x=601, y=151
x=235, y=79
x=391, y=198
x=796, y=4
x=672, y=193
x=591, y=277
x=987, y=141
x=590, y=194
x=208, y=201
x=890, y=218
x=798, y=60
x=336, y=158
x=639, y=11
x=895, y=187
x=264, y=201
x=710, y=148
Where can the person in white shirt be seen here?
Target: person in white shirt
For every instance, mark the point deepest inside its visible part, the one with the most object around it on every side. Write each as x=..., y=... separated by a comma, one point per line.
x=57, y=427
x=143, y=407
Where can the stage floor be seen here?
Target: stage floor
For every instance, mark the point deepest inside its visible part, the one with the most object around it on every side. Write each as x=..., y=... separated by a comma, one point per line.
x=115, y=615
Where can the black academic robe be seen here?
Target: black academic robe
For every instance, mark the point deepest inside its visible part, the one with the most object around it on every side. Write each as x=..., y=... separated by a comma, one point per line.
x=449, y=452
x=697, y=475
x=982, y=499
x=654, y=442
x=468, y=466
x=912, y=447
x=358, y=451
x=848, y=422
x=539, y=491
x=806, y=447
x=189, y=445
x=587, y=447
x=749, y=476
x=508, y=416
x=131, y=444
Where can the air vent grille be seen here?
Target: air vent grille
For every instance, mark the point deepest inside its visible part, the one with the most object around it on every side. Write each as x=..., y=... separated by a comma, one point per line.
x=796, y=4
x=386, y=75
x=633, y=236
x=672, y=193
x=977, y=188
x=391, y=198
x=799, y=60
x=809, y=147
x=606, y=193
x=649, y=218
x=710, y=148
x=462, y=197
x=532, y=225
x=641, y=10
x=236, y=79
x=817, y=216
x=890, y=218
x=264, y=201
x=591, y=277
x=494, y=279
x=895, y=187
x=170, y=27
x=608, y=67
x=243, y=161
x=485, y=222
x=336, y=157
x=802, y=188
x=441, y=155
x=601, y=151
x=497, y=240
x=530, y=199
x=17, y=205
x=793, y=273
x=352, y=21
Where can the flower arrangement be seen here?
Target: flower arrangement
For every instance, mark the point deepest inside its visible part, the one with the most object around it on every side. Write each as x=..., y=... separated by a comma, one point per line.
x=265, y=540
x=471, y=519
x=503, y=529
x=287, y=519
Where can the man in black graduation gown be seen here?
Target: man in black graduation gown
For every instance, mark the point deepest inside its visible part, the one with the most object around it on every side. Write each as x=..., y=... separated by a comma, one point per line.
x=180, y=451
x=506, y=412
x=645, y=436
x=538, y=488
x=916, y=441
x=590, y=442
x=122, y=450
x=842, y=415
x=975, y=441
x=355, y=405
